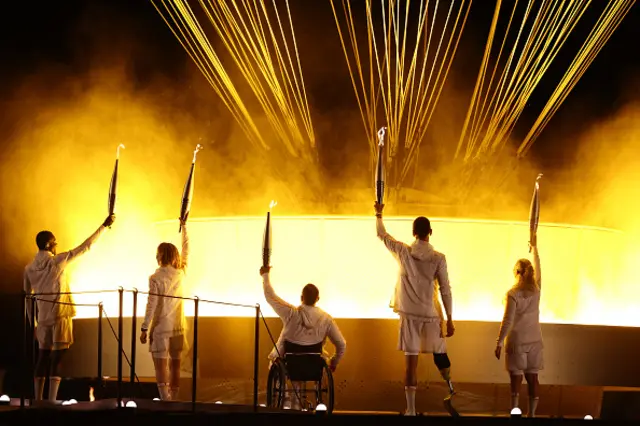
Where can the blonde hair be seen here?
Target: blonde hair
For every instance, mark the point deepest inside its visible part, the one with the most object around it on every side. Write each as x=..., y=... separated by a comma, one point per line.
x=525, y=276
x=168, y=255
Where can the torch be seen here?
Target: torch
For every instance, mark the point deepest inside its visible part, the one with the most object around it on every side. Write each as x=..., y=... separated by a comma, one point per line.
x=380, y=167
x=534, y=213
x=187, y=194
x=266, y=243
x=111, y=205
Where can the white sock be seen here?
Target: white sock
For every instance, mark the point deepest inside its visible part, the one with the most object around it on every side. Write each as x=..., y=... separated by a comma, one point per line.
x=410, y=395
x=54, y=384
x=515, y=400
x=163, y=390
x=533, y=404
x=38, y=385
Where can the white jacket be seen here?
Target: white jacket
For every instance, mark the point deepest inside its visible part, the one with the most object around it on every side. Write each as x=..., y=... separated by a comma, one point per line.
x=521, y=322
x=46, y=274
x=420, y=267
x=303, y=325
x=164, y=316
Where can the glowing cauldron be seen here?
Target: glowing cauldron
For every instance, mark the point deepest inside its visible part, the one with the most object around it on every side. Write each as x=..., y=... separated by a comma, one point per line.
x=581, y=266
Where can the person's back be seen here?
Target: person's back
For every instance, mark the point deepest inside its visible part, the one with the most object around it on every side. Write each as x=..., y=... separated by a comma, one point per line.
x=168, y=315
x=415, y=301
x=520, y=331
x=420, y=267
x=304, y=325
x=525, y=329
x=46, y=277
x=164, y=319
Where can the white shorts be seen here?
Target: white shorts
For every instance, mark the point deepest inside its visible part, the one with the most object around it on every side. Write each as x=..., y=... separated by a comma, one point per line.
x=417, y=336
x=166, y=347
x=55, y=337
x=526, y=360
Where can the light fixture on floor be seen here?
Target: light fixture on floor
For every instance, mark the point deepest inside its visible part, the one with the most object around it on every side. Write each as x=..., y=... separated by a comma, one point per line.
x=588, y=417
x=516, y=413
x=131, y=404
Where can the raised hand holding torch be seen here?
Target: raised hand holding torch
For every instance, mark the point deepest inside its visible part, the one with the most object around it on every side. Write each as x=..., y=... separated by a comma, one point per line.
x=187, y=194
x=266, y=242
x=534, y=214
x=111, y=204
x=380, y=167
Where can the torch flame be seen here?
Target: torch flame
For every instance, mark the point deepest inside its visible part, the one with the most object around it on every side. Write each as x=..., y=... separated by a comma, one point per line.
x=118, y=151
x=272, y=204
x=537, y=179
x=91, y=397
x=381, y=133
x=198, y=148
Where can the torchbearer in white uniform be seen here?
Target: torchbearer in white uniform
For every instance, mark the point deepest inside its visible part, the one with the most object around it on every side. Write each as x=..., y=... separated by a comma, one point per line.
x=521, y=322
x=164, y=322
x=54, y=325
x=304, y=325
x=422, y=270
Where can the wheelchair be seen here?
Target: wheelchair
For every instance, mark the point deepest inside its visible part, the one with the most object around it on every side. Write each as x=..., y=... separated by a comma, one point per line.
x=306, y=365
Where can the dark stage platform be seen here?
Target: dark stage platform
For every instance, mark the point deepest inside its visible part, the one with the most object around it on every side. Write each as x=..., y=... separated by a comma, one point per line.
x=105, y=412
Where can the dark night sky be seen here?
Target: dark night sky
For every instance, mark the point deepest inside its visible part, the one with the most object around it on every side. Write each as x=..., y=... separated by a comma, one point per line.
x=73, y=37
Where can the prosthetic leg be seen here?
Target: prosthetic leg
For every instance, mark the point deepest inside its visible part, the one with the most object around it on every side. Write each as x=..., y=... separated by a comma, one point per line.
x=444, y=366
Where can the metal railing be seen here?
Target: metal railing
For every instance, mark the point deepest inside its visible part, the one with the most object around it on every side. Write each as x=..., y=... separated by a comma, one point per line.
x=28, y=338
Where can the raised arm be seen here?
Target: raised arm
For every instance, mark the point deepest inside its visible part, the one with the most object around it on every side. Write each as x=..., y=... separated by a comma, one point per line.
x=537, y=272
x=507, y=320
x=282, y=308
x=184, y=256
x=442, y=275
x=336, y=337
x=392, y=244
x=152, y=302
x=64, y=258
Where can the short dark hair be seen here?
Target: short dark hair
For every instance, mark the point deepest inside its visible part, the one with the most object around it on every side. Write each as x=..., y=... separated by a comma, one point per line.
x=310, y=294
x=43, y=238
x=421, y=227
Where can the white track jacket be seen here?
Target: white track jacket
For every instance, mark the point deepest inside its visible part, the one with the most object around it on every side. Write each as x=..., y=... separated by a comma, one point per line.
x=420, y=267
x=303, y=325
x=46, y=274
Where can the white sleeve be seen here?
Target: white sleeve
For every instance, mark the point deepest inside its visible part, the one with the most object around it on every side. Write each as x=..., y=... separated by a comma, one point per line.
x=442, y=275
x=336, y=337
x=152, y=302
x=282, y=308
x=392, y=244
x=64, y=258
x=507, y=320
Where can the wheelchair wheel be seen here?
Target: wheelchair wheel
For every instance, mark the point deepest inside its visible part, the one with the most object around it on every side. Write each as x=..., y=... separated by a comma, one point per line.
x=326, y=389
x=276, y=382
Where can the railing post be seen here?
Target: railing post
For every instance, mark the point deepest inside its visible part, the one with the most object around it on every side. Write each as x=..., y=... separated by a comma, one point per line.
x=26, y=380
x=120, y=333
x=194, y=374
x=100, y=344
x=32, y=338
x=256, y=355
x=133, y=341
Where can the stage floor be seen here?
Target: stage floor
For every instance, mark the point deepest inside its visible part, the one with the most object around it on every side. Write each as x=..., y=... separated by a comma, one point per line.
x=106, y=412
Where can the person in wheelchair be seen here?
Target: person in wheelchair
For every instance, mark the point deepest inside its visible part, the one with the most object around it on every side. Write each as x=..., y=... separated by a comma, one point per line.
x=305, y=328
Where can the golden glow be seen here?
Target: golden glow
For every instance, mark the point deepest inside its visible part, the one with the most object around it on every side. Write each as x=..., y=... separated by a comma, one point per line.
x=408, y=80
x=584, y=278
x=266, y=55
x=499, y=100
